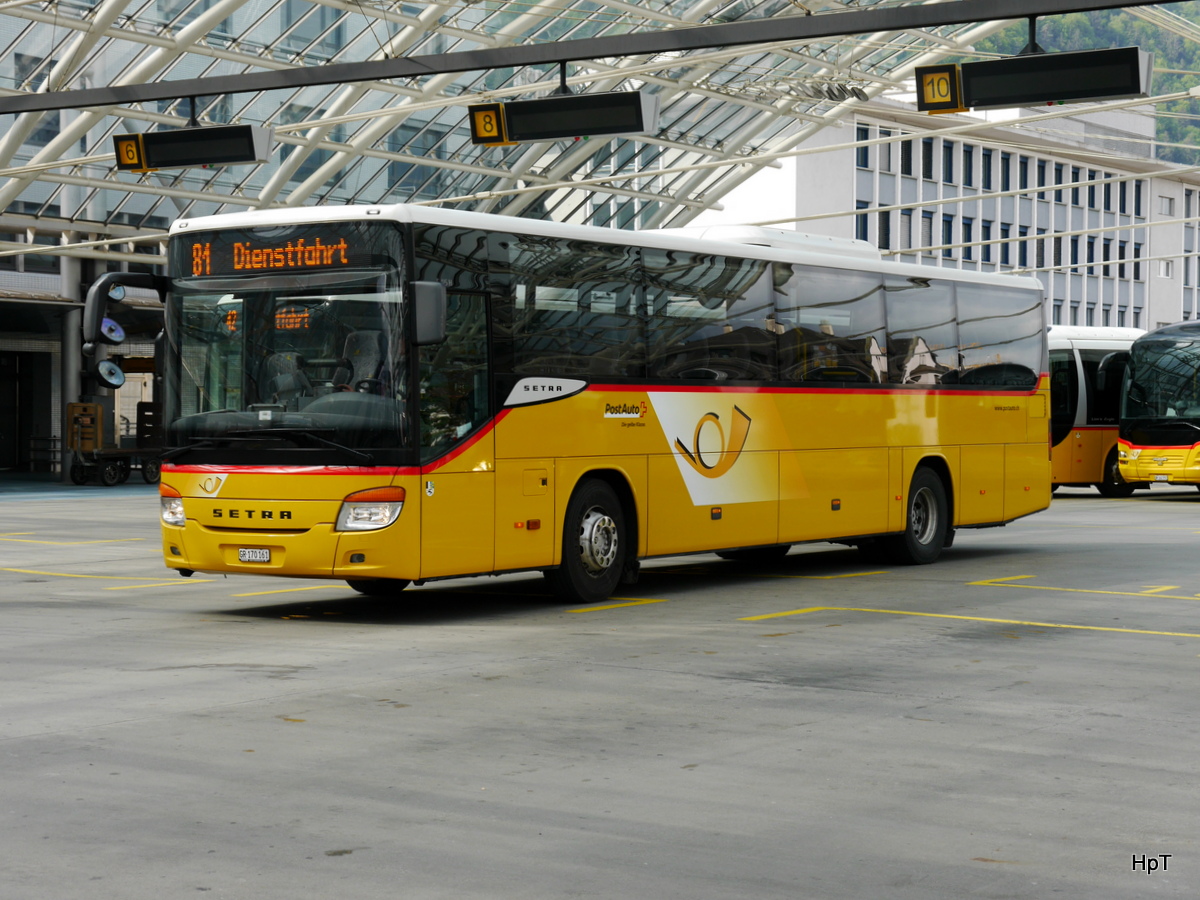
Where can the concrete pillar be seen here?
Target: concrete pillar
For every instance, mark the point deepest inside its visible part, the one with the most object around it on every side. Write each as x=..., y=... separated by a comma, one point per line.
x=71, y=362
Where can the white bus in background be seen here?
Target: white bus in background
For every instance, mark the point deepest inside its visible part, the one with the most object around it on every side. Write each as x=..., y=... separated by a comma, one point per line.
x=1086, y=369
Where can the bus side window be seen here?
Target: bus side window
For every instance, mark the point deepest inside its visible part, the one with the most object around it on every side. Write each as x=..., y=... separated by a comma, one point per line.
x=922, y=337
x=710, y=317
x=564, y=308
x=1000, y=335
x=1064, y=394
x=1104, y=371
x=830, y=324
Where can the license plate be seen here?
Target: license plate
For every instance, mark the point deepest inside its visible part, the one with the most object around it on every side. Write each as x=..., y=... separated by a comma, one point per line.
x=1162, y=477
x=254, y=554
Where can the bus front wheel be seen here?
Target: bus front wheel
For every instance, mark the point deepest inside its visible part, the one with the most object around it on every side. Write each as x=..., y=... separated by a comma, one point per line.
x=594, y=545
x=378, y=587
x=928, y=522
x=1113, y=484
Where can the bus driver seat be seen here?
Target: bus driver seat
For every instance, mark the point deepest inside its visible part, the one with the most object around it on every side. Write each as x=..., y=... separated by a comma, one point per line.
x=362, y=362
x=284, y=377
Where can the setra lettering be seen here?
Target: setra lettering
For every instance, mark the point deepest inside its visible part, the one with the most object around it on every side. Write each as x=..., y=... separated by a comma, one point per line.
x=251, y=513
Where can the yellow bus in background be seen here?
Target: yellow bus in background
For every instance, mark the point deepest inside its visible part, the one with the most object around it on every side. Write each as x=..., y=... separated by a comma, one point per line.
x=1087, y=365
x=394, y=394
x=1159, y=439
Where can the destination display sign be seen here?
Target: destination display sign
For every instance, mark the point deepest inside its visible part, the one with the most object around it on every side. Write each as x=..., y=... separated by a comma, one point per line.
x=302, y=249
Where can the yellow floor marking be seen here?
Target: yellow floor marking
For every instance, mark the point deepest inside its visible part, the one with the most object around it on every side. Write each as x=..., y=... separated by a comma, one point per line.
x=1159, y=588
x=1001, y=582
x=74, y=575
x=181, y=582
x=316, y=587
x=904, y=612
x=615, y=605
x=780, y=615
x=69, y=543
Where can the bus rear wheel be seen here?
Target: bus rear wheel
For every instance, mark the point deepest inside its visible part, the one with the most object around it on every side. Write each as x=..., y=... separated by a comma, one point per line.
x=928, y=522
x=1113, y=484
x=378, y=587
x=594, y=545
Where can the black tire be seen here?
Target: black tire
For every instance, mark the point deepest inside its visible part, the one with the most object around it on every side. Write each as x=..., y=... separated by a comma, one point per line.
x=79, y=473
x=595, y=545
x=126, y=468
x=927, y=522
x=756, y=554
x=110, y=472
x=1113, y=484
x=379, y=587
x=151, y=470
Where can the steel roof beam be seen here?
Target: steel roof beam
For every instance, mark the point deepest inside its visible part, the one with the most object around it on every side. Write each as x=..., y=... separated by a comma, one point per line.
x=757, y=31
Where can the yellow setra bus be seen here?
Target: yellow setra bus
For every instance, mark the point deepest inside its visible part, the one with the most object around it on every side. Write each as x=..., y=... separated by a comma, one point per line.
x=395, y=394
x=1159, y=439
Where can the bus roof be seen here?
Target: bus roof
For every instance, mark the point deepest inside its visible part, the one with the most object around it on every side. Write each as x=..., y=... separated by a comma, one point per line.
x=1093, y=333
x=807, y=249
x=1185, y=330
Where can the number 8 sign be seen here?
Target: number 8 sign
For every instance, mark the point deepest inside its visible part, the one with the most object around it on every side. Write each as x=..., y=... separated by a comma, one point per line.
x=487, y=124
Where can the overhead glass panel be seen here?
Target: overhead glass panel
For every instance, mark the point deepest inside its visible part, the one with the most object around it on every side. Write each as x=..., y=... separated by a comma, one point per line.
x=407, y=139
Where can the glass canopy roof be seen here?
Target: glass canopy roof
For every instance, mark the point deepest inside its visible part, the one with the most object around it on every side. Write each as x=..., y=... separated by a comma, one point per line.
x=407, y=140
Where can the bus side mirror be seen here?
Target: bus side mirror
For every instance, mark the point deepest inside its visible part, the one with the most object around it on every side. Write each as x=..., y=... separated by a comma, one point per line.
x=429, y=303
x=98, y=328
x=110, y=288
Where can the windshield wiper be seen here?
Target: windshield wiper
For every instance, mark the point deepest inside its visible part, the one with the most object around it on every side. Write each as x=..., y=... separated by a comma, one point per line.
x=1162, y=422
x=249, y=434
x=197, y=444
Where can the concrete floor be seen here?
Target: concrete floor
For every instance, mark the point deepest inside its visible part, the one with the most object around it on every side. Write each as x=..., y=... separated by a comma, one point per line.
x=1018, y=720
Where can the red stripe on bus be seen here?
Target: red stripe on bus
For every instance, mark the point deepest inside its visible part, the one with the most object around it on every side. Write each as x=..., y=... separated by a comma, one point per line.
x=873, y=391
x=294, y=470
x=463, y=448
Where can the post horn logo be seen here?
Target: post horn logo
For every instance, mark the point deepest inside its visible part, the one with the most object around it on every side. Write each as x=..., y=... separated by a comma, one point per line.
x=212, y=484
x=729, y=452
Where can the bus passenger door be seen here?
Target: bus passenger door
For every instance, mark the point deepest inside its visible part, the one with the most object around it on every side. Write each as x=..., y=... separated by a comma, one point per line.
x=1064, y=410
x=458, y=457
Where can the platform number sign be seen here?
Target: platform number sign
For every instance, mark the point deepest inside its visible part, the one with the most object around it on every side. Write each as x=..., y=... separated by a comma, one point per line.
x=130, y=153
x=939, y=89
x=487, y=124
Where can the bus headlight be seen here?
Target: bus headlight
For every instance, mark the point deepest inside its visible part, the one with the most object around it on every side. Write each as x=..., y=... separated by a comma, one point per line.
x=371, y=509
x=172, y=505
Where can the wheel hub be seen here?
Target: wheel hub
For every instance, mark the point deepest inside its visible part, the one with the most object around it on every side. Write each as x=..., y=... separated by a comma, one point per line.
x=924, y=516
x=597, y=541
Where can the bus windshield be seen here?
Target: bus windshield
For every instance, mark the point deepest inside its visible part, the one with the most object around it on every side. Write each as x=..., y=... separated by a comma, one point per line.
x=289, y=337
x=1163, y=381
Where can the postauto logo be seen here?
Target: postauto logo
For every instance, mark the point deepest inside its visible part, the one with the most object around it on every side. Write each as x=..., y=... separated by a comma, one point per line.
x=714, y=463
x=625, y=410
